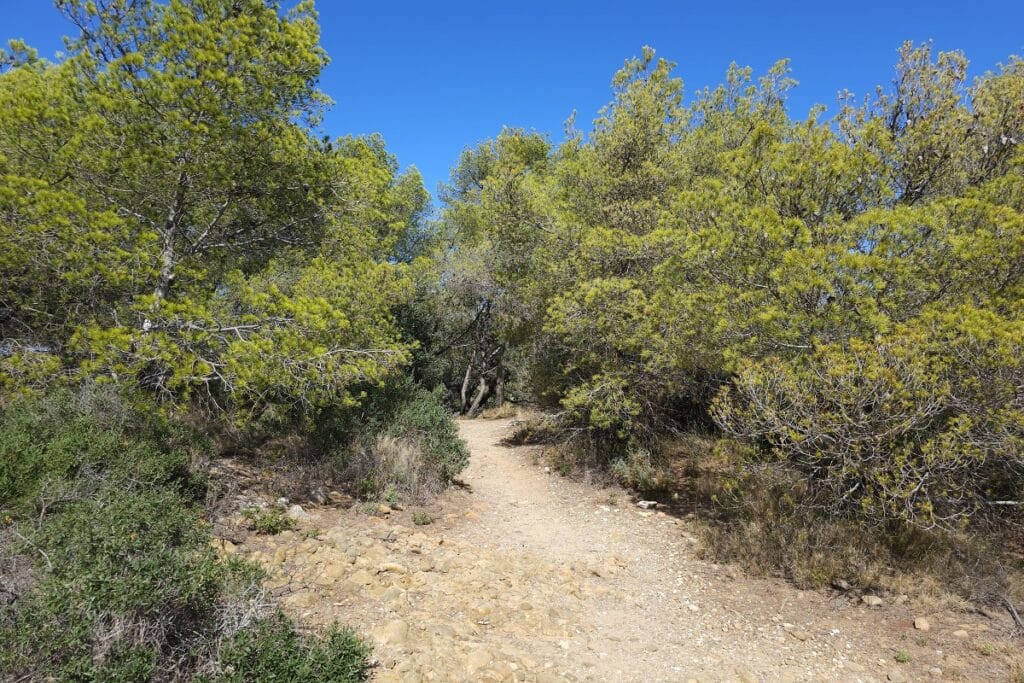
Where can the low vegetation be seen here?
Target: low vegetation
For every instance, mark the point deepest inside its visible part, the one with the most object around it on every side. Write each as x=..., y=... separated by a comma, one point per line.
x=109, y=569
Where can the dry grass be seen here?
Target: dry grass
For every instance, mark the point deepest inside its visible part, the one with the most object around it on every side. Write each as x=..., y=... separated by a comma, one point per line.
x=394, y=469
x=758, y=516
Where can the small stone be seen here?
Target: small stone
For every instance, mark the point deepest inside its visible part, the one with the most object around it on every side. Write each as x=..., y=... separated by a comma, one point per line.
x=921, y=624
x=960, y=634
x=392, y=633
x=841, y=584
x=478, y=659
x=283, y=502
x=303, y=600
x=800, y=634
x=747, y=676
x=361, y=578
x=646, y=504
x=935, y=672
x=872, y=600
x=896, y=677
x=297, y=513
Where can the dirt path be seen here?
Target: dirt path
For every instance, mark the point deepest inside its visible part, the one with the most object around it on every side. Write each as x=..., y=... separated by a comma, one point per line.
x=529, y=576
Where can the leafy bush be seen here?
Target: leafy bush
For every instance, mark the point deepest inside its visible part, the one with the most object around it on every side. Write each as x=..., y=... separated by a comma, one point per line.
x=923, y=427
x=761, y=515
x=105, y=517
x=272, y=650
x=404, y=441
x=109, y=508
x=270, y=521
x=638, y=470
x=420, y=518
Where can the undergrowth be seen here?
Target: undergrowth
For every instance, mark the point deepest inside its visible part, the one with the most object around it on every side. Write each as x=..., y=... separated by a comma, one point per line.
x=110, y=574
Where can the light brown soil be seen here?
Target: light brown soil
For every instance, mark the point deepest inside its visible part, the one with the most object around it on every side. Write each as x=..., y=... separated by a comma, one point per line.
x=529, y=576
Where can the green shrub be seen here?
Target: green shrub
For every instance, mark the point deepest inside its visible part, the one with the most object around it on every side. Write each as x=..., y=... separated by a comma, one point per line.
x=420, y=518
x=89, y=435
x=639, y=470
x=118, y=580
x=109, y=508
x=403, y=443
x=272, y=650
x=924, y=426
x=422, y=418
x=270, y=521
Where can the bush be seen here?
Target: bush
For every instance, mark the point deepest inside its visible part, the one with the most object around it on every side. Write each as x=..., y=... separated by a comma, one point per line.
x=117, y=578
x=761, y=516
x=271, y=521
x=404, y=443
x=924, y=426
x=423, y=419
x=272, y=650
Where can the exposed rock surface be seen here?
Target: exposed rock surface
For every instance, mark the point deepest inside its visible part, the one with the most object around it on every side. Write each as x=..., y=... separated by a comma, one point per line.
x=530, y=577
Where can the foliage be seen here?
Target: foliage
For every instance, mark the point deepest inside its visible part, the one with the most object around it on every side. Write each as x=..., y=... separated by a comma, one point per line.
x=420, y=518
x=119, y=580
x=849, y=288
x=924, y=426
x=270, y=521
x=96, y=489
x=197, y=277
x=272, y=650
x=405, y=443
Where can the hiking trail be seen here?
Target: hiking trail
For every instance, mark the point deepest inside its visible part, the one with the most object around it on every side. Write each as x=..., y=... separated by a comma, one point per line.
x=529, y=576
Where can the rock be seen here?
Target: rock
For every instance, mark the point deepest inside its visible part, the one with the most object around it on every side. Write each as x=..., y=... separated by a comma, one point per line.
x=392, y=633
x=960, y=634
x=935, y=672
x=283, y=502
x=872, y=600
x=383, y=510
x=841, y=584
x=646, y=504
x=921, y=624
x=478, y=659
x=303, y=600
x=297, y=513
x=902, y=599
x=747, y=676
x=800, y=634
x=896, y=677
x=391, y=567
x=361, y=578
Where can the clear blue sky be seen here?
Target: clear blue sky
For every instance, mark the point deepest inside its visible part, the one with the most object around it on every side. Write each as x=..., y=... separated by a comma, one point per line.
x=435, y=77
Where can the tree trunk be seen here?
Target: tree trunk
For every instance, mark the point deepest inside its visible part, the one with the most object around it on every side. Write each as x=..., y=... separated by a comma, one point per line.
x=168, y=256
x=481, y=393
x=464, y=405
x=499, y=380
